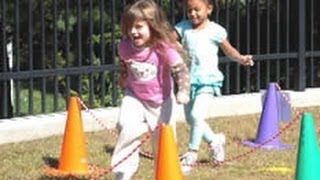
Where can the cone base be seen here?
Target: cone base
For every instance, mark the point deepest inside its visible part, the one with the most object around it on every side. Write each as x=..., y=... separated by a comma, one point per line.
x=267, y=146
x=54, y=172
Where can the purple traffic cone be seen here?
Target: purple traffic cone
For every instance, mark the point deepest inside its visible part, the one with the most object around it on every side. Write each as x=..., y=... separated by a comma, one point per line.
x=268, y=126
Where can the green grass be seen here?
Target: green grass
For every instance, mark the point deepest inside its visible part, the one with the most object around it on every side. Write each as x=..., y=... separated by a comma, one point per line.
x=26, y=160
x=24, y=102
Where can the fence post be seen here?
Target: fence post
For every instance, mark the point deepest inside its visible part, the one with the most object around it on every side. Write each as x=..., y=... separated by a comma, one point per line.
x=5, y=89
x=301, y=66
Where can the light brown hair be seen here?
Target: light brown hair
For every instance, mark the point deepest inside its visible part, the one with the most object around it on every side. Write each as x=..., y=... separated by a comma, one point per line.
x=149, y=11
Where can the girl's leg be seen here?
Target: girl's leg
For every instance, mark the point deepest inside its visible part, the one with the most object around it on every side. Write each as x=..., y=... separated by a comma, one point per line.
x=131, y=126
x=187, y=111
x=163, y=114
x=199, y=127
x=196, y=113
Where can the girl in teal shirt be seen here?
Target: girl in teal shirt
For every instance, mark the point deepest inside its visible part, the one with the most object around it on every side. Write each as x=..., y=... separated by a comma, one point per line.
x=202, y=39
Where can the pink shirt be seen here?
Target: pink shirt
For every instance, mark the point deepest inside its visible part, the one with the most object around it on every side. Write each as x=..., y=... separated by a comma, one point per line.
x=149, y=76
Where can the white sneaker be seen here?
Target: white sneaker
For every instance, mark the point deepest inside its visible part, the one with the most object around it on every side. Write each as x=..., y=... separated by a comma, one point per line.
x=217, y=148
x=187, y=160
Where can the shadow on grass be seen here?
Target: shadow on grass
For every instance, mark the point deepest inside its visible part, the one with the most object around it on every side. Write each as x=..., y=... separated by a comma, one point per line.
x=108, y=149
x=51, y=161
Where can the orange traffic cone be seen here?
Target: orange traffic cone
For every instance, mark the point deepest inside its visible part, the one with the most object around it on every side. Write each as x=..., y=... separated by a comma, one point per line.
x=73, y=154
x=73, y=160
x=168, y=164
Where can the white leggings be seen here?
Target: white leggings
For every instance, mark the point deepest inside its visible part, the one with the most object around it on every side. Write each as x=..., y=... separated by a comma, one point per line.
x=135, y=119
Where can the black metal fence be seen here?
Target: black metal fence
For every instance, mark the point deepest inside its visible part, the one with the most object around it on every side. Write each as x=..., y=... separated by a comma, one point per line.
x=51, y=50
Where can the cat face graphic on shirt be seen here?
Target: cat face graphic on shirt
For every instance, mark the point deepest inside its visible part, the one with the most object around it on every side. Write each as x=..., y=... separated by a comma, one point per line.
x=143, y=71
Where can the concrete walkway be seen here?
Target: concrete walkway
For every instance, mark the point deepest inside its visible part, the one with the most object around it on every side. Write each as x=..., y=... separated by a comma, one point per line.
x=34, y=127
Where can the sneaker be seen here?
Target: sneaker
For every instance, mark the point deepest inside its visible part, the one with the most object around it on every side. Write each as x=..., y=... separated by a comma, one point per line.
x=217, y=148
x=187, y=160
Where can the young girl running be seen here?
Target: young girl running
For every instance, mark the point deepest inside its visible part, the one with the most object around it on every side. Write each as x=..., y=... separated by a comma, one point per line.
x=202, y=39
x=150, y=56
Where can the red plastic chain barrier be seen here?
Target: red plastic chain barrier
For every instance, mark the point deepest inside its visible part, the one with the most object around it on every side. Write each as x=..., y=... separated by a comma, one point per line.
x=295, y=119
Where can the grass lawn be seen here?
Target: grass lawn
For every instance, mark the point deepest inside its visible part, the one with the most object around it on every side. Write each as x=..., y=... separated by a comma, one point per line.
x=26, y=160
x=37, y=98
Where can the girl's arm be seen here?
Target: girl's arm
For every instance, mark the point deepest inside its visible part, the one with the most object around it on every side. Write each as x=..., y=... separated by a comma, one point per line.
x=176, y=35
x=234, y=54
x=181, y=76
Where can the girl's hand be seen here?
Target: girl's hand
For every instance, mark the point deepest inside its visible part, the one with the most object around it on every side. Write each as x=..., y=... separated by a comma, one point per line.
x=182, y=97
x=246, y=60
x=122, y=82
x=123, y=75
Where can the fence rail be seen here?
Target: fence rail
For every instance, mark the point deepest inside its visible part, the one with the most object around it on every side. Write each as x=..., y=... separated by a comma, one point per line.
x=51, y=50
